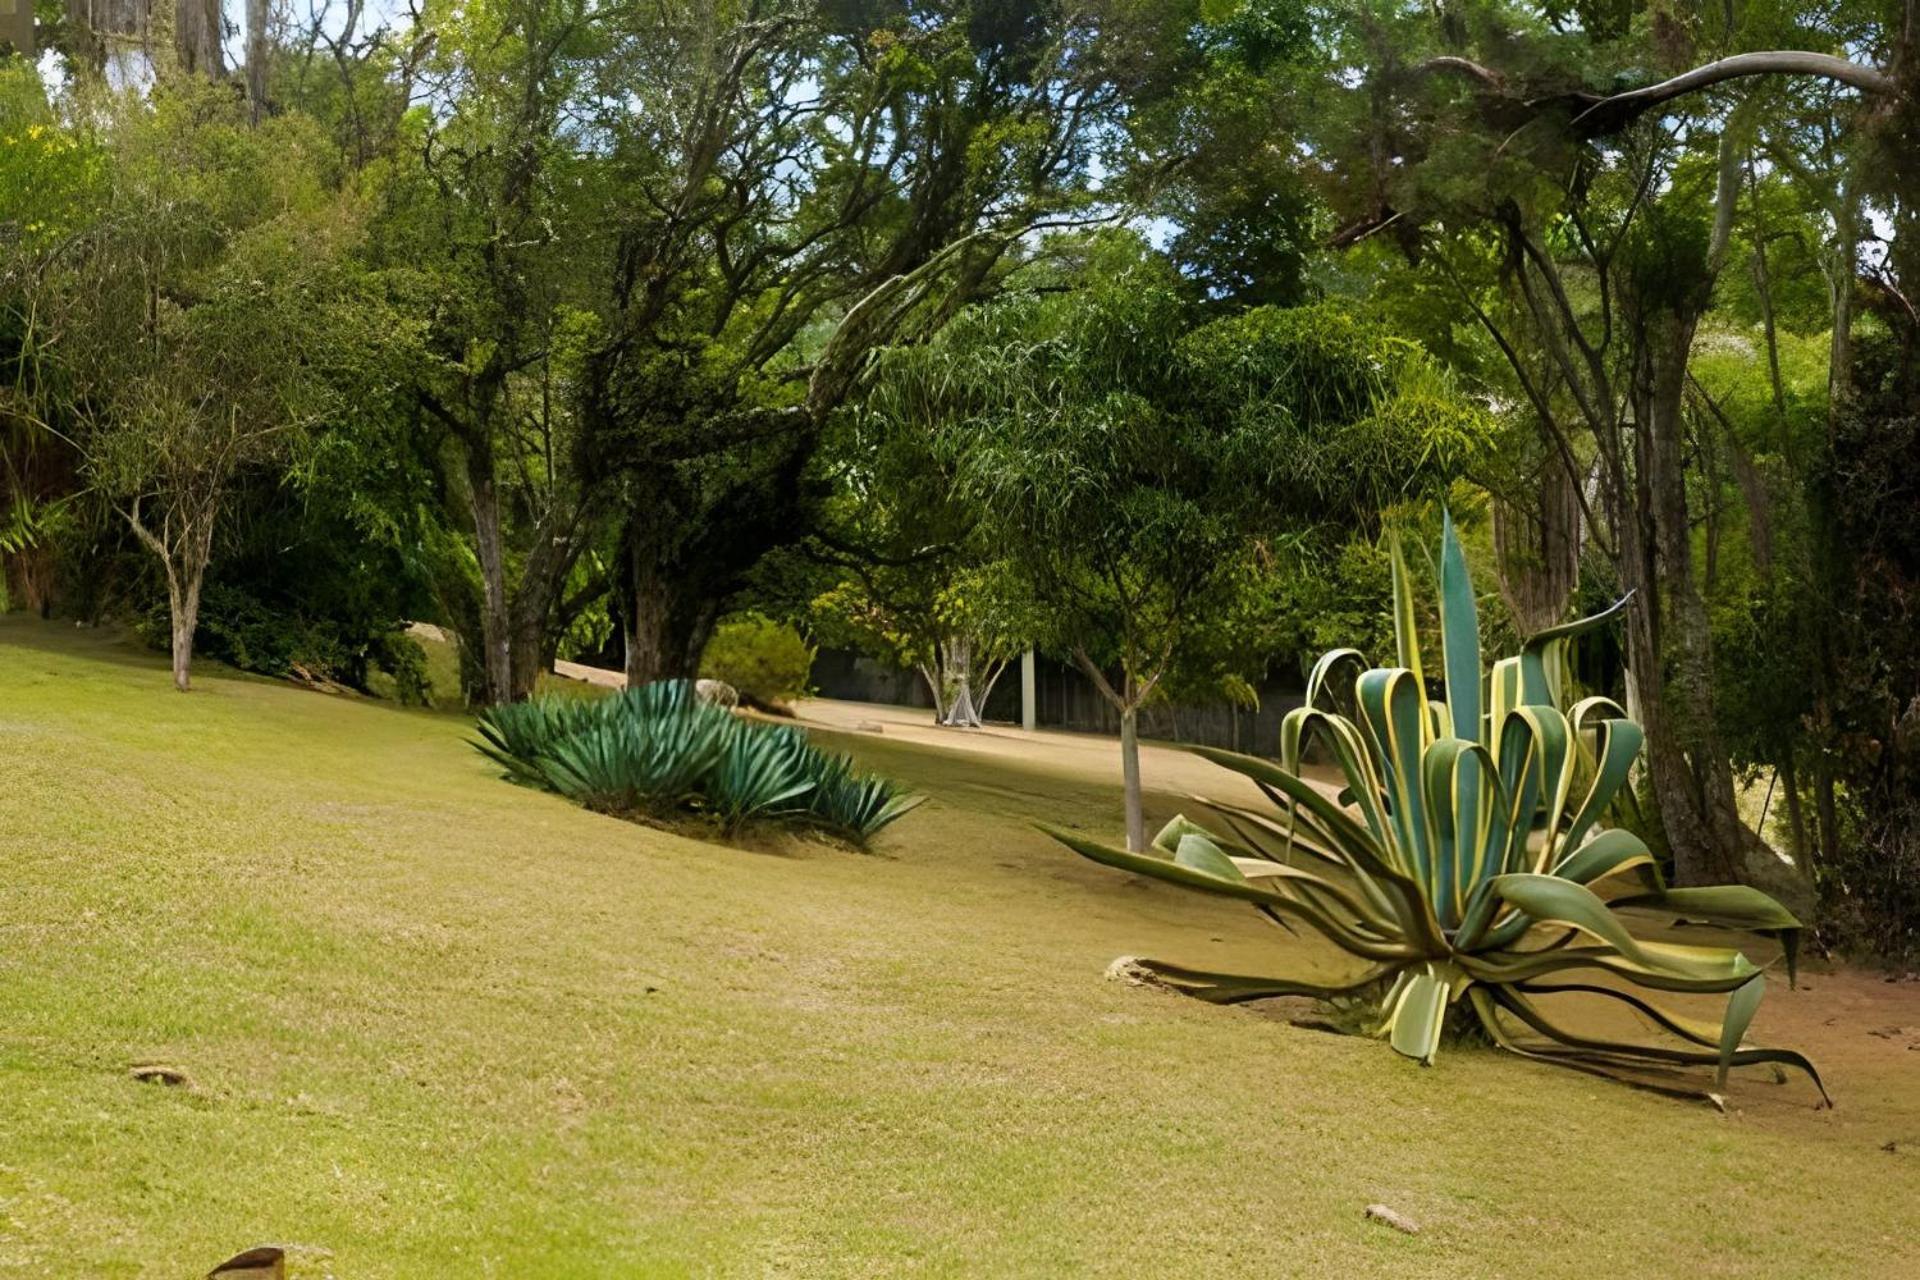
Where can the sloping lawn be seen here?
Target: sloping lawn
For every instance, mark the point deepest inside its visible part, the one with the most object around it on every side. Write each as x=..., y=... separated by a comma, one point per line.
x=436, y=1025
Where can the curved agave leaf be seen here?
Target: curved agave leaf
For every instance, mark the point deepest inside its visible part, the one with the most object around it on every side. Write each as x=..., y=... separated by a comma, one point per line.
x=1728, y=1055
x=1617, y=744
x=1229, y=882
x=1610, y=853
x=1730, y=906
x=1233, y=988
x=1324, y=668
x=1543, y=660
x=1407, y=899
x=1406, y=631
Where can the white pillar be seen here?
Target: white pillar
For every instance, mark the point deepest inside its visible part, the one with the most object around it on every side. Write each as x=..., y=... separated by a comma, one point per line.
x=1029, y=710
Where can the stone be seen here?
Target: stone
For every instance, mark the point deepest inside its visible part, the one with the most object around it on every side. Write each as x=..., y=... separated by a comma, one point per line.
x=1398, y=1221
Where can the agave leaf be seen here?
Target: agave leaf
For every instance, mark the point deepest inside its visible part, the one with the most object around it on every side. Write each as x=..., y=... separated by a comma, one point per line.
x=1727, y=1056
x=1324, y=668
x=1617, y=744
x=1417, y=1015
x=1608, y=854
x=1542, y=658
x=1238, y=886
x=1730, y=906
x=1233, y=988
x=1594, y=1063
x=1700, y=1033
x=1169, y=836
x=1393, y=708
x=1694, y=970
x=1406, y=631
x=1459, y=634
x=1201, y=854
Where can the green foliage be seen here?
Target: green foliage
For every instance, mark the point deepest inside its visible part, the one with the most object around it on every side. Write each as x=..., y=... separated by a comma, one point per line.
x=768, y=662
x=1461, y=861
x=241, y=628
x=661, y=751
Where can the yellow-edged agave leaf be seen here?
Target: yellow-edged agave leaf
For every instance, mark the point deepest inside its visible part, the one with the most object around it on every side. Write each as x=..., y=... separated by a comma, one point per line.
x=1458, y=859
x=1417, y=1015
x=1234, y=988
x=1610, y=853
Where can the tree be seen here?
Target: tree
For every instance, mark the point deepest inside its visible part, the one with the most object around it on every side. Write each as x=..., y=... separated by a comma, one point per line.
x=486, y=239
x=801, y=185
x=1586, y=232
x=191, y=322
x=1135, y=473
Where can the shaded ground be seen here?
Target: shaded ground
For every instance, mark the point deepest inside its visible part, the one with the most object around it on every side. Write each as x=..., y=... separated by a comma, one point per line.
x=440, y=1026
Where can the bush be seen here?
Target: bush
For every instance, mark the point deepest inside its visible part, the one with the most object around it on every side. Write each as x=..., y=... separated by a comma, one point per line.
x=767, y=661
x=243, y=630
x=662, y=752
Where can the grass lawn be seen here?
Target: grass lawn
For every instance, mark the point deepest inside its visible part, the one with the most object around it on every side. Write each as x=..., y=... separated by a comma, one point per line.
x=437, y=1025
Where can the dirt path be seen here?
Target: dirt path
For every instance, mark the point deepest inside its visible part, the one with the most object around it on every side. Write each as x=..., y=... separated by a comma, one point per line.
x=1081, y=757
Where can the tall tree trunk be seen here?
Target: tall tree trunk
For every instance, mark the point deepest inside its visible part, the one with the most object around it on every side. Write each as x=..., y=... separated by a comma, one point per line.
x=257, y=58
x=1538, y=550
x=1130, y=775
x=1841, y=283
x=1126, y=700
x=669, y=620
x=496, y=658
x=196, y=37
x=1687, y=757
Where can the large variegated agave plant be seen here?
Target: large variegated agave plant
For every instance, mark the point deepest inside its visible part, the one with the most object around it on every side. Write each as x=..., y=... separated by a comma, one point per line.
x=1466, y=860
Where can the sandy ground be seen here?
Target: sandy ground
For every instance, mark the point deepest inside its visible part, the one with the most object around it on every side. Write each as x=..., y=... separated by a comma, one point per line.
x=1080, y=757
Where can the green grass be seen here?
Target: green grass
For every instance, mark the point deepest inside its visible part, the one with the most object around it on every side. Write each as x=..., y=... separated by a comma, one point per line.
x=438, y=1025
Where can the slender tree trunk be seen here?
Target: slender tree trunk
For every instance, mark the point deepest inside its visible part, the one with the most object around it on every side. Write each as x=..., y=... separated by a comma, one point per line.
x=489, y=548
x=935, y=687
x=1130, y=775
x=1538, y=551
x=257, y=58
x=529, y=651
x=1796, y=815
x=183, y=608
x=1126, y=700
x=1840, y=352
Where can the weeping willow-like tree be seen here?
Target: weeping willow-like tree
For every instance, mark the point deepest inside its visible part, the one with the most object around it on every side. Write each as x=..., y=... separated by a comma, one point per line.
x=1467, y=861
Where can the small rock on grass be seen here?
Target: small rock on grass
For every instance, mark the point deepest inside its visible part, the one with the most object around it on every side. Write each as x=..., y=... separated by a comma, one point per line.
x=1398, y=1221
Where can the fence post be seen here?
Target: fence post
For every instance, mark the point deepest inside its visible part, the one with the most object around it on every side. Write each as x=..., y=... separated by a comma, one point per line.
x=1029, y=712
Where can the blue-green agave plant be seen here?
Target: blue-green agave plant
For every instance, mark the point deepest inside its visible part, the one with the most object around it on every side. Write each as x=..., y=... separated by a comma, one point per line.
x=1467, y=861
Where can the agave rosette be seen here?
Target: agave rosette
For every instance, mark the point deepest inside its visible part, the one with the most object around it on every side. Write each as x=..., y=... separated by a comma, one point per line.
x=1467, y=860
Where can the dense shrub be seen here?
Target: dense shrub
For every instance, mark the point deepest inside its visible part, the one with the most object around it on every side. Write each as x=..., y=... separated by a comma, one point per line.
x=661, y=752
x=767, y=661
x=241, y=629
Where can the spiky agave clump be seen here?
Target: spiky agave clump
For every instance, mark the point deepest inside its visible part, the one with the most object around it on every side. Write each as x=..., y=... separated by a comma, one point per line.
x=660, y=749
x=1462, y=858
